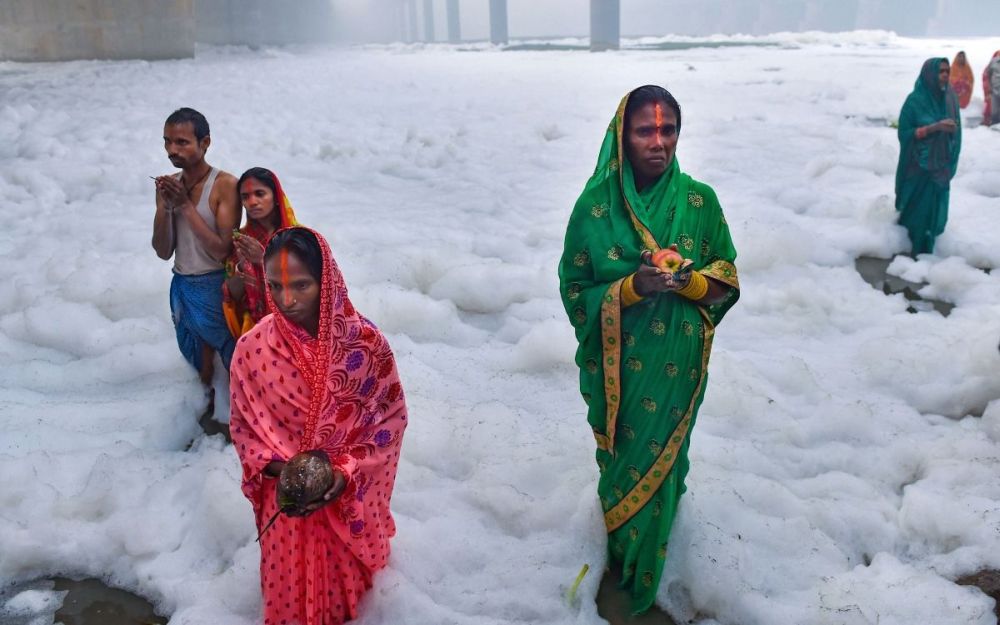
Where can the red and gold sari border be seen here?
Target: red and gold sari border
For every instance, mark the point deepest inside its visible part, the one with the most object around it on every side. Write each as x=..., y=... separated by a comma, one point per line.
x=611, y=348
x=723, y=271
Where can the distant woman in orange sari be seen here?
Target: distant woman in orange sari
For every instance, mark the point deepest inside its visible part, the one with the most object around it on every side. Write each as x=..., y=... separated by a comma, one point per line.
x=268, y=210
x=315, y=377
x=962, y=79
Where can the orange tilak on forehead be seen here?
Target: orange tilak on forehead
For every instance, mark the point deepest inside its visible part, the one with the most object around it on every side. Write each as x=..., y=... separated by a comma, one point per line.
x=285, y=290
x=659, y=116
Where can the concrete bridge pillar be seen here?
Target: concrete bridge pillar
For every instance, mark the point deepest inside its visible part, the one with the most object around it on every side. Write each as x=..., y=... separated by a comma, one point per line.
x=454, y=22
x=428, y=20
x=498, y=21
x=605, y=25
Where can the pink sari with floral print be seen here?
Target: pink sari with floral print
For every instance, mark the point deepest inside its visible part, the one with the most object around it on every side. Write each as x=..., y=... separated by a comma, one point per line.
x=338, y=392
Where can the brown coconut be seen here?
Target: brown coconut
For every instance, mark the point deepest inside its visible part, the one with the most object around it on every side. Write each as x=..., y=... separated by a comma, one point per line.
x=304, y=479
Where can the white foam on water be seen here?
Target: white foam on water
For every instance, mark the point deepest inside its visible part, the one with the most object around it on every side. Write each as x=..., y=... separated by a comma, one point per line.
x=836, y=476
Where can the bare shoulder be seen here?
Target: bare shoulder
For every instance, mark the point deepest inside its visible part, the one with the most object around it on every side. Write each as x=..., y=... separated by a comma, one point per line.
x=225, y=181
x=224, y=188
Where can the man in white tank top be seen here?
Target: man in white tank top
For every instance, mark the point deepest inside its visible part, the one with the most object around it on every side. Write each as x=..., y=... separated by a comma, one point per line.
x=196, y=212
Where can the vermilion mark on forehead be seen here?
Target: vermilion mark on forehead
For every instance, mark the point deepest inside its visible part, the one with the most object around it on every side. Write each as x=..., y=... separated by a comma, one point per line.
x=286, y=292
x=659, y=116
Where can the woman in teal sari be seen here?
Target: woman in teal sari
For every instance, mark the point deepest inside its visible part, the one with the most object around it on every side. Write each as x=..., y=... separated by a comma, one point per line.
x=644, y=333
x=930, y=137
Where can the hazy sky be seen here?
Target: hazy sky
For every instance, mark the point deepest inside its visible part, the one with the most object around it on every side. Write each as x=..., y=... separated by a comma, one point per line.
x=562, y=18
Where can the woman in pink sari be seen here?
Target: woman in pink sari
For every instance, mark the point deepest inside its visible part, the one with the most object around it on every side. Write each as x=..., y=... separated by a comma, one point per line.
x=316, y=375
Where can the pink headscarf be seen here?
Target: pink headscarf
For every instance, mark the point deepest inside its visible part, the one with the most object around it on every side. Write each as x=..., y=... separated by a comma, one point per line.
x=349, y=370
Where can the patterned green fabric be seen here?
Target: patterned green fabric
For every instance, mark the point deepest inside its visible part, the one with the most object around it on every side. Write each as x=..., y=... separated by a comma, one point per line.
x=926, y=166
x=664, y=344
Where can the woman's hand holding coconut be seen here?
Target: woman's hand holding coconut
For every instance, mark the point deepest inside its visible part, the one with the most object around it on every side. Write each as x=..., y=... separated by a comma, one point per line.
x=339, y=482
x=308, y=482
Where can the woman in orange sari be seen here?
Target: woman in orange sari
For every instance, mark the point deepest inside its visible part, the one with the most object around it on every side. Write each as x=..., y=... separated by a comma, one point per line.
x=268, y=210
x=316, y=377
x=991, y=91
x=962, y=79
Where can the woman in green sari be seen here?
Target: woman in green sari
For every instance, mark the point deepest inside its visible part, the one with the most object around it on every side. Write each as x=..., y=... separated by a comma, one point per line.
x=644, y=333
x=930, y=137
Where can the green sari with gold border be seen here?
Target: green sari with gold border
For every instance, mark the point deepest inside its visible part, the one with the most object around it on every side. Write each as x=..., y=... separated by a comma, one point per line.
x=643, y=368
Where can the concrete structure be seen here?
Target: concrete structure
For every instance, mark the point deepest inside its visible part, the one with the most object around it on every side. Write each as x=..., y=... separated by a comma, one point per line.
x=428, y=20
x=498, y=21
x=605, y=25
x=454, y=22
x=411, y=12
x=262, y=22
x=48, y=30
x=965, y=17
x=59, y=30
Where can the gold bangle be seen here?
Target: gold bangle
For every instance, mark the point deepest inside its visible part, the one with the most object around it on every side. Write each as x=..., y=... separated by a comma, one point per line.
x=696, y=288
x=629, y=295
